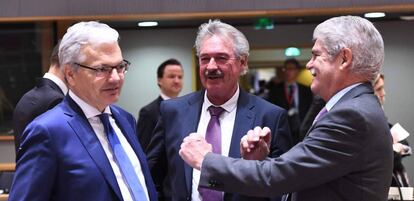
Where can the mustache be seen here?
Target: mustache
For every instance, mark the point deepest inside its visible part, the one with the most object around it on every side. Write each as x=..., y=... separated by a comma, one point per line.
x=211, y=74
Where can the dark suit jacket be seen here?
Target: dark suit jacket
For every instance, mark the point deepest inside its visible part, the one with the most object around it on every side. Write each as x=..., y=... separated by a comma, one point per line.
x=180, y=117
x=347, y=156
x=38, y=100
x=277, y=96
x=148, y=117
x=62, y=159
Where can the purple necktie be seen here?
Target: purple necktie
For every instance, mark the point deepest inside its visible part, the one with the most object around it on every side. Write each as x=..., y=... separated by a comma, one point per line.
x=213, y=136
x=320, y=114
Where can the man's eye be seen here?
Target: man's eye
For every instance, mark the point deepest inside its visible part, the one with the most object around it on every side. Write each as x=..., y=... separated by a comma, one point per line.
x=205, y=59
x=222, y=59
x=104, y=69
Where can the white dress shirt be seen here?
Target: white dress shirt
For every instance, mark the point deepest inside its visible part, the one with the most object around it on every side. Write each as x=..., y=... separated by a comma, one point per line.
x=57, y=81
x=334, y=99
x=91, y=114
x=226, y=119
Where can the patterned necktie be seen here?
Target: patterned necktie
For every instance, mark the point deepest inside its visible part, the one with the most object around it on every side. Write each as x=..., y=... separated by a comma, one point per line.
x=213, y=136
x=121, y=158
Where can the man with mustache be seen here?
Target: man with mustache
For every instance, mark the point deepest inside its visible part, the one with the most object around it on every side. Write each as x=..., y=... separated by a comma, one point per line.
x=85, y=148
x=347, y=153
x=222, y=113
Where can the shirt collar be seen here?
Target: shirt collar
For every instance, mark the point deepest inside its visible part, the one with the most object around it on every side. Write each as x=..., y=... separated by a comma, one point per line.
x=87, y=109
x=329, y=105
x=163, y=96
x=57, y=81
x=229, y=106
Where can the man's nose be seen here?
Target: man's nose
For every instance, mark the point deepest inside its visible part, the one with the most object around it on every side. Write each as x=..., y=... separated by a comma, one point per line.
x=212, y=64
x=114, y=74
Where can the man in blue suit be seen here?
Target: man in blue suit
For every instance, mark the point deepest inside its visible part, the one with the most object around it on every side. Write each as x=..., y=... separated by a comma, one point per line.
x=347, y=153
x=222, y=52
x=80, y=150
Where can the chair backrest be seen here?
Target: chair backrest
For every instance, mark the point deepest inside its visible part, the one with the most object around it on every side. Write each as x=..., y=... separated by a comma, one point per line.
x=6, y=179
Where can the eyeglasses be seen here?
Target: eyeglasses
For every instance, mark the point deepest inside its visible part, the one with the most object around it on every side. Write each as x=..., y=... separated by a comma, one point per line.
x=219, y=60
x=106, y=70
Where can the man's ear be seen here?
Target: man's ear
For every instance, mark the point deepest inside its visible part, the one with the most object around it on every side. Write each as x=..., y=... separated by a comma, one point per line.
x=243, y=62
x=346, y=57
x=69, y=74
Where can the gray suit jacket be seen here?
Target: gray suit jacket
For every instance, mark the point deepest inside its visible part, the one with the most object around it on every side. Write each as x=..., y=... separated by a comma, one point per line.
x=347, y=155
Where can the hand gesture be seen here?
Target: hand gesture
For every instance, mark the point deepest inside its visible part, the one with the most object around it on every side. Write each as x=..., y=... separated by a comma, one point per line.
x=255, y=144
x=193, y=149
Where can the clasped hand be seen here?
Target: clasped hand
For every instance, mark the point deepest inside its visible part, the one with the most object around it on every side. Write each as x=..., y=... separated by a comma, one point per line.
x=253, y=146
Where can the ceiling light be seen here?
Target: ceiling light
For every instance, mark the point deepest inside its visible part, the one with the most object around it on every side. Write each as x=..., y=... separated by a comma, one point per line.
x=147, y=24
x=292, y=52
x=374, y=15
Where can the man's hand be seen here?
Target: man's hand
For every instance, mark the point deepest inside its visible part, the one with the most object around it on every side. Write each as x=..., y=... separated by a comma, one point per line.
x=193, y=149
x=255, y=144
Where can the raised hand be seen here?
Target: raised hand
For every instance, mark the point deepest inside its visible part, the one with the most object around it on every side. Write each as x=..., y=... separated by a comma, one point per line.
x=193, y=149
x=255, y=144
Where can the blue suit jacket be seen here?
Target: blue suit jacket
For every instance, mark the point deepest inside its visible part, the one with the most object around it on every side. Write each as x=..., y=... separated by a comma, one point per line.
x=62, y=159
x=180, y=117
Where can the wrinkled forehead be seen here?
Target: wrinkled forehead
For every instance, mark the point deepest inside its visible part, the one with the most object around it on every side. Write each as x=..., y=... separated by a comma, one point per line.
x=217, y=45
x=110, y=52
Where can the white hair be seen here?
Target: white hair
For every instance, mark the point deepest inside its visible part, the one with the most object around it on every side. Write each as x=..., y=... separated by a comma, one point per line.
x=81, y=34
x=357, y=34
x=217, y=28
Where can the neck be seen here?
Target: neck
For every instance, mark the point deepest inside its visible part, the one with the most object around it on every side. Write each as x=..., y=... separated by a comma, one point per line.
x=57, y=72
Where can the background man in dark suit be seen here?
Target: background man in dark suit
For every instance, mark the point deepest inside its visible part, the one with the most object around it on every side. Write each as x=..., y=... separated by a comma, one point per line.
x=170, y=80
x=49, y=91
x=400, y=146
x=222, y=51
x=347, y=154
x=296, y=98
x=85, y=148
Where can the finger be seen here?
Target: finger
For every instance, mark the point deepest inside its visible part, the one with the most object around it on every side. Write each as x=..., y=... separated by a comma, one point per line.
x=251, y=141
x=263, y=146
x=265, y=131
x=192, y=137
x=257, y=131
x=266, y=134
x=244, y=144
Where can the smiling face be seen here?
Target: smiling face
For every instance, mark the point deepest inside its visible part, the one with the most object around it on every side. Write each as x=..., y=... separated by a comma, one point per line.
x=98, y=92
x=219, y=68
x=291, y=72
x=326, y=70
x=171, y=82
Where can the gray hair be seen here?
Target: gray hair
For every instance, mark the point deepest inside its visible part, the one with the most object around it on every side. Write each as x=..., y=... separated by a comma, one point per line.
x=81, y=34
x=357, y=34
x=217, y=28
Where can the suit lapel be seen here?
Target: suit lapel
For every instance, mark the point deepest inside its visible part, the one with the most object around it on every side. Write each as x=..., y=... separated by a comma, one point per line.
x=87, y=136
x=242, y=123
x=192, y=117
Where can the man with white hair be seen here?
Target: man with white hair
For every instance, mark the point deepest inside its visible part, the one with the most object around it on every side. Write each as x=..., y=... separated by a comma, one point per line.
x=347, y=153
x=85, y=148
